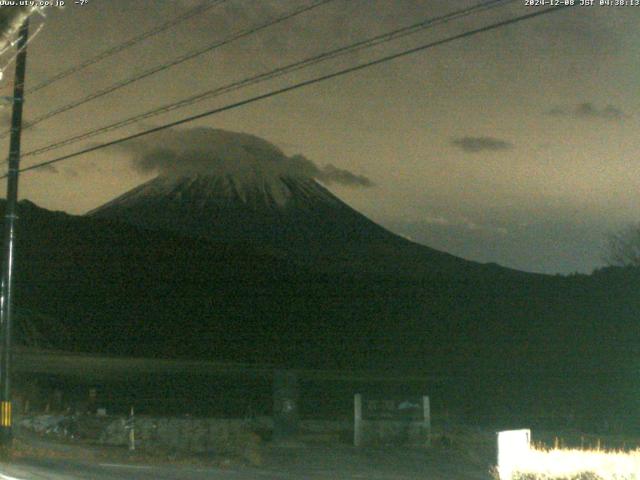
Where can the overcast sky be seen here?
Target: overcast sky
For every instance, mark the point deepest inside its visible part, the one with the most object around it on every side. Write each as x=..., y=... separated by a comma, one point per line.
x=517, y=146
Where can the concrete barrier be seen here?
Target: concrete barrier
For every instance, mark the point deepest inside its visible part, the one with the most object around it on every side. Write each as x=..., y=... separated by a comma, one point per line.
x=196, y=435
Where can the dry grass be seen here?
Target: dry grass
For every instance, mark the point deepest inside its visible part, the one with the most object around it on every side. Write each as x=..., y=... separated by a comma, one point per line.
x=242, y=450
x=573, y=464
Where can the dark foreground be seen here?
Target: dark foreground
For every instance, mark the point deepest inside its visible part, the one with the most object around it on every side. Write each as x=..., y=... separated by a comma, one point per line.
x=302, y=461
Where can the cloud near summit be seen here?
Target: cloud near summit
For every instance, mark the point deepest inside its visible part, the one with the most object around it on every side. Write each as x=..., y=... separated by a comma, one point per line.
x=588, y=111
x=211, y=151
x=480, y=144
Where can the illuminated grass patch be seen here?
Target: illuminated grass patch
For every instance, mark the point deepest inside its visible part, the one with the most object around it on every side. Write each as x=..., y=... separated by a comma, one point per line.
x=559, y=464
x=518, y=459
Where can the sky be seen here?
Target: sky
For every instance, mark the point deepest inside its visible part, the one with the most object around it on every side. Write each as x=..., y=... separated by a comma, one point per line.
x=517, y=146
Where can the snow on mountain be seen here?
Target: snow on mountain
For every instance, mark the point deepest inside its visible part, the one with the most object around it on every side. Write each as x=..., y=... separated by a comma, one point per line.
x=200, y=191
x=217, y=177
x=238, y=188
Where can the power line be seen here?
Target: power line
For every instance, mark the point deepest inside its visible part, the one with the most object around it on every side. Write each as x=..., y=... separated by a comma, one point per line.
x=367, y=43
x=203, y=7
x=159, y=68
x=296, y=86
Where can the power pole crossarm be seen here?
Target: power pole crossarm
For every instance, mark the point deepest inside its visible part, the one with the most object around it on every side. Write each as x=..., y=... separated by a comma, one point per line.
x=6, y=287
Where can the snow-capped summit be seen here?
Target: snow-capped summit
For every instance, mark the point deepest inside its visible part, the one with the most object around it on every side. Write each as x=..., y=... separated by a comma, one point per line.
x=238, y=188
x=200, y=191
x=284, y=212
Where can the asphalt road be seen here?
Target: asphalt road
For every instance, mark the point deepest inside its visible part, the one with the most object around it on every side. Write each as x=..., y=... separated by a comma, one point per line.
x=66, y=470
x=283, y=464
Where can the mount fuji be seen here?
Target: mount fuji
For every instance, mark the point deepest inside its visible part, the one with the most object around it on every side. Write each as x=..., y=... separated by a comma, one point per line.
x=240, y=189
x=235, y=251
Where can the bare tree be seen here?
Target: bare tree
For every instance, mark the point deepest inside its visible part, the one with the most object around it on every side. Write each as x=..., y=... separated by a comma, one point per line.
x=623, y=247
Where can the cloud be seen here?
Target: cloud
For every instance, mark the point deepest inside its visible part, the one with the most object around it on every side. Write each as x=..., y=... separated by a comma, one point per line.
x=331, y=174
x=464, y=223
x=437, y=220
x=587, y=111
x=5, y=117
x=481, y=144
x=6, y=114
x=47, y=169
x=219, y=152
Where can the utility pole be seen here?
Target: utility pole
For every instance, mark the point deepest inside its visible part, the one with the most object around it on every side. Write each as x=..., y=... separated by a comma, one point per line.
x=6, y=287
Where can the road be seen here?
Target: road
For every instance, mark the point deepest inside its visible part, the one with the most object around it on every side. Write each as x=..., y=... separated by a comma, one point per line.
x=281, y=464
x=66, y=470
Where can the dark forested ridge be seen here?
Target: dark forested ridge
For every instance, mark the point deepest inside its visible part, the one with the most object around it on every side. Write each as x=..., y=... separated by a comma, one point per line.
x=96, y=285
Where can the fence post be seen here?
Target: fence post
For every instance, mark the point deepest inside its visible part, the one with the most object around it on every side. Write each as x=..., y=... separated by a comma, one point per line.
x=286, y=415
x=426, y=411
x=357, y=419
x=132, y=433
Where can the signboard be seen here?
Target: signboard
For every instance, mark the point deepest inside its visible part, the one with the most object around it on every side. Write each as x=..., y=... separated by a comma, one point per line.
x=379, y=420
x=392, y=409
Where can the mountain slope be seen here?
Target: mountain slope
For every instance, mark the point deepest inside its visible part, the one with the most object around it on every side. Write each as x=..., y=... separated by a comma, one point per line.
x=245, y=258
x=107, y=287
x=238, y=188
x=297, y=217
